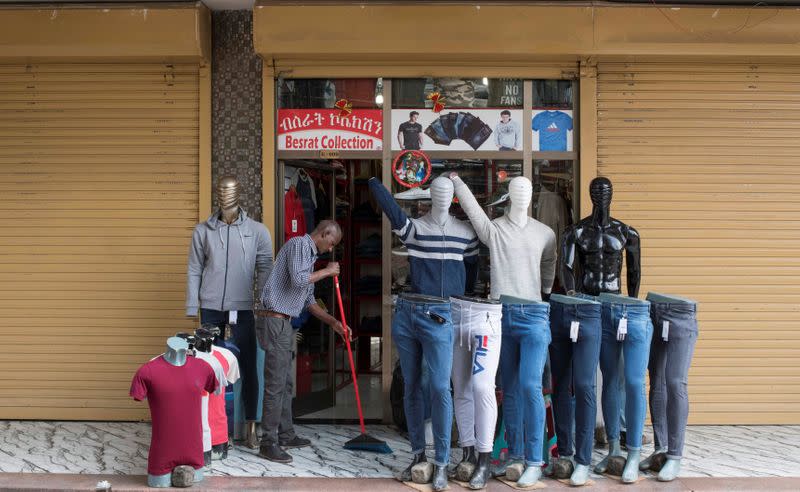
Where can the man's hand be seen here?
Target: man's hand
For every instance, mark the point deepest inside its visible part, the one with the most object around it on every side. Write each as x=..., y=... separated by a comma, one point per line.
x=452, y=175
x=333, y=268
x=339, y=328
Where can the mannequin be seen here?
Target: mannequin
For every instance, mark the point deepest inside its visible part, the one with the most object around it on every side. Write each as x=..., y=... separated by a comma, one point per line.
x=592, y=249
x=523, y=256
x=576, y=329
x=229, y=251
x=671, y=350
x=476, y=355
x=438, y=272
x=176, y=351
x=172, y=384
x=217, y=417
x=200, y=348
x=592, y=258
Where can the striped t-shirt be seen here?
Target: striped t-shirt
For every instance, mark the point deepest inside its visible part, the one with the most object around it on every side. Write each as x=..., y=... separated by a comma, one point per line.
x=436, y=253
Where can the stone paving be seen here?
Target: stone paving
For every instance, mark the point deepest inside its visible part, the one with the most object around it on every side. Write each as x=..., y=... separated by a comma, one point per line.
x=117, y=448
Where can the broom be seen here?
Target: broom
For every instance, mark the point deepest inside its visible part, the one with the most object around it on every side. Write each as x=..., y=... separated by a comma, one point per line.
x=364, y=442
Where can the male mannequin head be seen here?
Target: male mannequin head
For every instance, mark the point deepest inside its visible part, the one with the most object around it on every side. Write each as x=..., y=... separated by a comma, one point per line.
x=441, y=198
x=520, y=193
x=228, y=192
x=601, y=191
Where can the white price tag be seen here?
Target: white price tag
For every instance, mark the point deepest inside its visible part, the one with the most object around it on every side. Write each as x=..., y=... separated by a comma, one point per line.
x=232, y=317
x=622, y=329
x=573, y=331
x=665, y=331
x=294, y=225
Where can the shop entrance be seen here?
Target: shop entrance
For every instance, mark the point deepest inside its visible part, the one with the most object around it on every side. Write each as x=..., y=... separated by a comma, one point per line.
x=315, y=190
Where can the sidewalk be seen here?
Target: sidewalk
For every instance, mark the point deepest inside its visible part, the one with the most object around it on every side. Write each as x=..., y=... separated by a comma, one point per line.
x=765, y=453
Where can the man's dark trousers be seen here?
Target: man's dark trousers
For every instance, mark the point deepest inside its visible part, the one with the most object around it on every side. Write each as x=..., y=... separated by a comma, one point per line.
x=276, y=421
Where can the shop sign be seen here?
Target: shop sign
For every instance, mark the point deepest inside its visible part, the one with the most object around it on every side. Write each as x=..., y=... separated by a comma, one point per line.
x=457, y=129
x=327, y=129
x=329, y=154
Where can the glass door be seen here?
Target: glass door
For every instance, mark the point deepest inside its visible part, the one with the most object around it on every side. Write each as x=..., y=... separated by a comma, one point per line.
x=309, y=190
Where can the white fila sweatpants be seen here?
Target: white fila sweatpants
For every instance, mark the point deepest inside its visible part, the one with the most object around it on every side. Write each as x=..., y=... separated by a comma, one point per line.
x=476, y=355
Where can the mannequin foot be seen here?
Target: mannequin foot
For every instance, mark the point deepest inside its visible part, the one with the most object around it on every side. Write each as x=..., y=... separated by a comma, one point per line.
x=580, y=476
x=644, y=465
x=514, y=470
x=482, y=471
x=531, y=475
x=439, y=478
x=464, y=470
x=670, y=470
x=614, y=449
x=405, y=475
x=631, y=472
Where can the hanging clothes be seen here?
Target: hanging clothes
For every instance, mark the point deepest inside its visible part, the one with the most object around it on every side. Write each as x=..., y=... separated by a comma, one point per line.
x=551, y=210
x=294, y=215
x=308, y=196
x=323, y=211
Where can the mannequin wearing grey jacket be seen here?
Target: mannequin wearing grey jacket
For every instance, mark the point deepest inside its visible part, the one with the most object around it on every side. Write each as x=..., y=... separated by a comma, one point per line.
x=224, y=260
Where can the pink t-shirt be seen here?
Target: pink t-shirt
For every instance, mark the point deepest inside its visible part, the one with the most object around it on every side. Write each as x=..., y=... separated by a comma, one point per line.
x=173, y=394
x=217, y=418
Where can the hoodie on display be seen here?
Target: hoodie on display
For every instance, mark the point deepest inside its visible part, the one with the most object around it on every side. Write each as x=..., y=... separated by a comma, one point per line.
x=507, y=135
x=223, y=261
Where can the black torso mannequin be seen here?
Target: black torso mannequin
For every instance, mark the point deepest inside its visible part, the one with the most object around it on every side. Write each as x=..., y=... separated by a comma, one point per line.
x=591, y=251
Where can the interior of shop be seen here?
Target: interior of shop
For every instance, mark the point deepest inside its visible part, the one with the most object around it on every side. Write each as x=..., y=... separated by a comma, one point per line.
x=314, y=189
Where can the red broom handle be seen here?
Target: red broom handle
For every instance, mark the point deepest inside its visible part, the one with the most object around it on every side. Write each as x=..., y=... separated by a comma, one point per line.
x=349, y=353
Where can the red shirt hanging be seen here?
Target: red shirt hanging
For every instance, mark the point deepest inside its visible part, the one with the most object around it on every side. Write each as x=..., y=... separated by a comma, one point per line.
x=294, y=219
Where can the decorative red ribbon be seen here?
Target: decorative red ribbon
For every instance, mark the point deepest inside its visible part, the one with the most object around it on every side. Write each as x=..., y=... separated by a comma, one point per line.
x=438, y=101
x=345, y=107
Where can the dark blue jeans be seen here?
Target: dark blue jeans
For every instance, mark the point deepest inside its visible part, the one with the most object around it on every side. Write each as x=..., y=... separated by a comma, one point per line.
x=421, y=339
x=244, y=337
x=526, y=335
x=636, y=350
x=669, y=368
x=575, y=363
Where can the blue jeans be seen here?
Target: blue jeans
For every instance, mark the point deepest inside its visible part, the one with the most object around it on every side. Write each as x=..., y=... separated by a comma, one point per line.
x=636, y=350
x=523, y=351
x=575, y=363
x=419, y=338
x=669, y=369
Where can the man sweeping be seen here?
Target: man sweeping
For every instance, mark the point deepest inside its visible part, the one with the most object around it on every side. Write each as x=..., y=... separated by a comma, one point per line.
x=289, y=290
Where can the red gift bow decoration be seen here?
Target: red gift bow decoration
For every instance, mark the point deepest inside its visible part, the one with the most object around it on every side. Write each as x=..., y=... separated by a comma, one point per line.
x=438, y=101
x=345, y=107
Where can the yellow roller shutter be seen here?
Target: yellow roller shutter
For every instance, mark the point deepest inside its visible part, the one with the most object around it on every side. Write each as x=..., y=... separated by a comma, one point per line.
x=704, y=160
x=99, y=193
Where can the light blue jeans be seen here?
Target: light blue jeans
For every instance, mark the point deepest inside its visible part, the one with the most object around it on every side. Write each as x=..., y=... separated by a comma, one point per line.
x=635, y=348
x=421, y=339
x=523, y=351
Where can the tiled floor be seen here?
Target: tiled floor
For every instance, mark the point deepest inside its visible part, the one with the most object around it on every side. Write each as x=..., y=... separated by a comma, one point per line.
x=370, y=390
x=121, y=448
